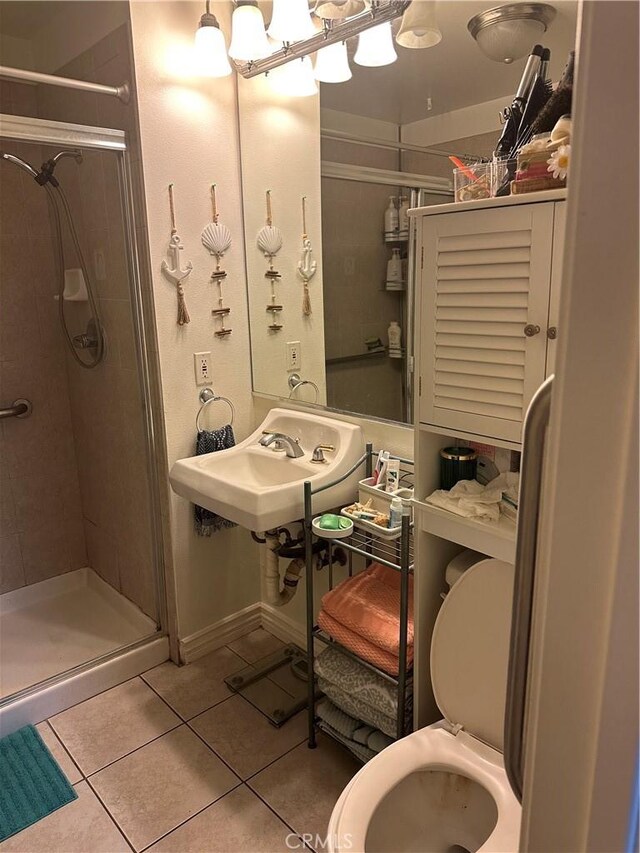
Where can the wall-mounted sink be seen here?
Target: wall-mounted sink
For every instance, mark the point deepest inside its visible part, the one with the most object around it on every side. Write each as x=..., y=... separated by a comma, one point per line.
x=261, y=488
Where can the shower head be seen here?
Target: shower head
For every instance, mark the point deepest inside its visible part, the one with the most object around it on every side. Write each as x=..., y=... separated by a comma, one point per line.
x=75, y=153
x=45, y=175
x=11, y=158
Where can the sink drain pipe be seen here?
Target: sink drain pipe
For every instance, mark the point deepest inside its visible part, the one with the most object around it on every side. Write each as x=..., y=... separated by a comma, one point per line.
x=271, y=572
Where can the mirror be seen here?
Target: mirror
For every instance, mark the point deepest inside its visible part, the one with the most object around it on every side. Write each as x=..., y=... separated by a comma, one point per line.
x=343, y=337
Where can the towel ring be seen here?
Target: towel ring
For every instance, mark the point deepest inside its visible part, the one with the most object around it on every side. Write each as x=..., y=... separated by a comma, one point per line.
x=296, y=381
x=207, y=396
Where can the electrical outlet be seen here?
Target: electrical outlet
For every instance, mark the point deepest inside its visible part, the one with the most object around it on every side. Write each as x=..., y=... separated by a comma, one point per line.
x=294, y=356
x=202, y=367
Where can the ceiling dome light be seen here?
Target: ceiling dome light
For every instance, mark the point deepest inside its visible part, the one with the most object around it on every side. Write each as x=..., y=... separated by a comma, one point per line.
x=248, y=37
x=332, y=64
x=210, y=47
x=375, y=47
x=419, y=27
x=506, y=33
x=291, y=21
x=336, y=9
x=294, y=79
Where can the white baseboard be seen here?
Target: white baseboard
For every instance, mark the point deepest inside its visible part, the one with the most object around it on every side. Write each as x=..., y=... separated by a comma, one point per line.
x=232, y=627
x=220, y=633
x=282, y=626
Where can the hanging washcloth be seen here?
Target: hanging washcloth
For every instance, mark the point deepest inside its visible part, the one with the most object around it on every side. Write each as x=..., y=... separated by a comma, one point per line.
x=210, y=441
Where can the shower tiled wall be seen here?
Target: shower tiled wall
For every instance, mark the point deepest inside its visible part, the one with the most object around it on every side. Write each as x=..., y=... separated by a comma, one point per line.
x=104, y=405
x=41, y=528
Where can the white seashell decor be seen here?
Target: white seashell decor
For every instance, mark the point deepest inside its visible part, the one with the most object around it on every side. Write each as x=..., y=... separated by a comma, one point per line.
x=270, y=240
x=216, y=238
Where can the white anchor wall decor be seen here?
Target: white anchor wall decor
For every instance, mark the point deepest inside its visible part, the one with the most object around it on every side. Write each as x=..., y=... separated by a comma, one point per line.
x=177, y=275
x=216, y=237
x=307, y=266
x=270, y=243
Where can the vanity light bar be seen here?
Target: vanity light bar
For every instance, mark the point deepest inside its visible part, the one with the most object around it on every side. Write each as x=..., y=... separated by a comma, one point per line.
x=378, y=14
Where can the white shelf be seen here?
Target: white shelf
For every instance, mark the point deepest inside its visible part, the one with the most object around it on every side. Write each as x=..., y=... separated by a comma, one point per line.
x=480, y=204
x=496, y=539
x=470, y=436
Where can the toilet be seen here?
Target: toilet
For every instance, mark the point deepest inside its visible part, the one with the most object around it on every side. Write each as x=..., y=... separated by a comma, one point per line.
x=443, y=789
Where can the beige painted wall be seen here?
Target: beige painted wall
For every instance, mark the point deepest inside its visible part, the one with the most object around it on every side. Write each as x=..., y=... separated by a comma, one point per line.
x=189, y=137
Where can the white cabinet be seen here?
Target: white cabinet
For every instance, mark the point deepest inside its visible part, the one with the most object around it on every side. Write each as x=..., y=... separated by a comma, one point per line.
x=489, y=286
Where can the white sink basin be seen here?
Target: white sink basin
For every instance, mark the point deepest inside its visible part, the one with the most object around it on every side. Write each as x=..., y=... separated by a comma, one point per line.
x=260, y=488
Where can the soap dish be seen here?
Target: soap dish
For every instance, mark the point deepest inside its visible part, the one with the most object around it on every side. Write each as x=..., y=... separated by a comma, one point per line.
x=322, y=533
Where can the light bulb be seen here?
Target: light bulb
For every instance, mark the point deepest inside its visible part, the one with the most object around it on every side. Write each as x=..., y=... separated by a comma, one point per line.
x=419, y=27
x=294, y=79
x=337, y=9
x=248, y=37
x=211, y=49
x=332, y=64
x=291, y=21
x=375, y=46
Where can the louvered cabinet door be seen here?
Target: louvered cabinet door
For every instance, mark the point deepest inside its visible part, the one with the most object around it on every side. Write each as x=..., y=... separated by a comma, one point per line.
x=485, y=284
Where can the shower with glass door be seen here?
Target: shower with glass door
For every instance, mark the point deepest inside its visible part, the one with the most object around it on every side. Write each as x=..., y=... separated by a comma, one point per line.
x=81, y=579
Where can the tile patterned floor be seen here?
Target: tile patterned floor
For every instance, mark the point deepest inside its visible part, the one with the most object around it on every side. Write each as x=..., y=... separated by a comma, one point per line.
x=173, y=761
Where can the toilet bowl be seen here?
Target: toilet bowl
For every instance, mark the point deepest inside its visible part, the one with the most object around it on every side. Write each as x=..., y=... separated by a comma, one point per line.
x=443, y=789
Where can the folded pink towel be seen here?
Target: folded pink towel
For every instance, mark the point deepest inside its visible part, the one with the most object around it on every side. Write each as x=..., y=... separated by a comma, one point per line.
x=361, y=647
x=368, y=604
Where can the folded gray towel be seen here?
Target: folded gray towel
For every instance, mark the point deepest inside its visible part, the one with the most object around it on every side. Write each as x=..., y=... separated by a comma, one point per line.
x=358, y=710
x=364, y=685
x=359, y=751
x=363, y=734
x=336, y=718
x=377, y=741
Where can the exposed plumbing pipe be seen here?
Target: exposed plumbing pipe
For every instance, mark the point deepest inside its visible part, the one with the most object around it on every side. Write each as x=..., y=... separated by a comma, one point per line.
x=271, y=570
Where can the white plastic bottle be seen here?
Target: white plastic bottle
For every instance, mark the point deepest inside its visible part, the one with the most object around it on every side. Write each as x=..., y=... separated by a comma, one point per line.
x=394, y=271
x=394, y=333
x=403, y=217
x=391, y=221
x=395, y=513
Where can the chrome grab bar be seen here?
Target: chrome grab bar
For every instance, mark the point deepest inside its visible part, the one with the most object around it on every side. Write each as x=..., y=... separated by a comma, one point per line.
x=20, y=408
x=535, y=424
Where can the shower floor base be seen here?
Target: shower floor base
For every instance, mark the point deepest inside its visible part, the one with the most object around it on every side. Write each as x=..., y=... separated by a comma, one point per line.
x=49, y=627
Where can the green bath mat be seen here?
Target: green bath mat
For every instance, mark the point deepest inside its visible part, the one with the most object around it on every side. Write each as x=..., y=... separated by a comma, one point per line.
x=31, y=783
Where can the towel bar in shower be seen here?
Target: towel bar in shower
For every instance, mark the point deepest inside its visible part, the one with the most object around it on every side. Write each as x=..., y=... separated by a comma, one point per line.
x=20, y=408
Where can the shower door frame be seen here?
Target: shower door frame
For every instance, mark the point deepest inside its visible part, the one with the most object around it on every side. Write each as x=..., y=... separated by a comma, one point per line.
x=16, y=128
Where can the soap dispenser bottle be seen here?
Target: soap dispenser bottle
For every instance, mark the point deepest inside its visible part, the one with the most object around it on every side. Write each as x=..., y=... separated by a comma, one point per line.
x=394, y=333
x=394, y=271
x=403, y=217
x=391, y=221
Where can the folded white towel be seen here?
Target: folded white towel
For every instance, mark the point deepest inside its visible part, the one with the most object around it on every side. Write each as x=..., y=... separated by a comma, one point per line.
x=473, y=500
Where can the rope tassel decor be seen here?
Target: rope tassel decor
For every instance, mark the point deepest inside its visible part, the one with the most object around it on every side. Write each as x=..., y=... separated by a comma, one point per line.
x=177, y=275
x=307, y=266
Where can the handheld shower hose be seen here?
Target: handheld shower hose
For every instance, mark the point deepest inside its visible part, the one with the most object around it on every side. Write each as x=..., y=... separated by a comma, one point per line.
x=58, y=201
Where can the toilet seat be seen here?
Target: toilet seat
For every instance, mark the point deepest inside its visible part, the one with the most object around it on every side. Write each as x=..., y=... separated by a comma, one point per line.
x=469, y=653
x=431, y=748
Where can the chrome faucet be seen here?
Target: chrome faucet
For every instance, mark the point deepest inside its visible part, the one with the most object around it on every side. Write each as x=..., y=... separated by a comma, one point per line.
x=284, y=442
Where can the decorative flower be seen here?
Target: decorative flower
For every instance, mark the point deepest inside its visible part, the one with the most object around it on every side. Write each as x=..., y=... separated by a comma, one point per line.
x=558, y=163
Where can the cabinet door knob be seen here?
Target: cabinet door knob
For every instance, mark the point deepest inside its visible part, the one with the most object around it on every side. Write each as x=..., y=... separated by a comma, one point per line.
x=530, y=330
x=552, y=333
